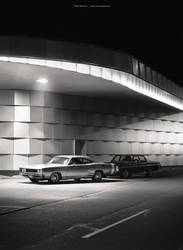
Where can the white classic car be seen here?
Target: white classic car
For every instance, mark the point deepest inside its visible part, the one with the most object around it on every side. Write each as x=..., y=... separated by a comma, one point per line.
x=64, y=167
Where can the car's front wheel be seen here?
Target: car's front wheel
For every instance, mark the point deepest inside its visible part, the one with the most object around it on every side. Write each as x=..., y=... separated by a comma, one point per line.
x=97, y=176
x=33, y=180
x=54, y=178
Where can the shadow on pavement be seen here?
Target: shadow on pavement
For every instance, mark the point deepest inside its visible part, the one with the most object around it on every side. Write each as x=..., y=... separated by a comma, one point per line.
x=74, y=182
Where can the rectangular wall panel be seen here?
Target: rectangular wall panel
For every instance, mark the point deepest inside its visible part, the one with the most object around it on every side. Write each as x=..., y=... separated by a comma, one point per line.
x=37, y=98
x=19, y=161
x=21, y=146
x=22, y=113
x=6, y=146
x=36, y=114
x=21, y=130
x=35, y=146
x=6, y=97
x=6, y=113
x=48, y=115
x=6, y=162
x=6, y=129
x=22, y=98
x=67, y=147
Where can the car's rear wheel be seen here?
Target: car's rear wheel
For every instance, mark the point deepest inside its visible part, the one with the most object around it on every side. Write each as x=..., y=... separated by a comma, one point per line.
x=149, y=173
x=125, y=174
x=97, y=176
x=54, y=178
x=34, y=180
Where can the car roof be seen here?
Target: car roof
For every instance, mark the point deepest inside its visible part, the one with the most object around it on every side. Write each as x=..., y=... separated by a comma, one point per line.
x=133, y=154
x=72, y=156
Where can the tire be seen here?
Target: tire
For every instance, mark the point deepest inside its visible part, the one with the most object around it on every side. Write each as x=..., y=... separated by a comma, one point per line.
x=54, y=178
x=125, y=174
x=97, y=176
x=148, y=173
x=33, y=180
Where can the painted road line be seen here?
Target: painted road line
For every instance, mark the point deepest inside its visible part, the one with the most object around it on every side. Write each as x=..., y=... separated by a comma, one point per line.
x=146, y=211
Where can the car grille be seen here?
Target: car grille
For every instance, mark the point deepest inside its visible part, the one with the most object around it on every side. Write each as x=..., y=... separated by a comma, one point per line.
x=31, y=170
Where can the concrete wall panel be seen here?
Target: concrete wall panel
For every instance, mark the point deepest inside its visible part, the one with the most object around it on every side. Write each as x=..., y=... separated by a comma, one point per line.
x=21, y=129
x=38, y=159
x=48, y=115
x=22, y=98
x=6, y=129
x=19, y=161
x=67, y=146
x=6, y=113
x=22, y=113
x=6, y=162
x=37, y=98
x=6, y=97
x=126, y=148
x=35, y=146
x=21, y=146
x=36, y=114
x=6, y=146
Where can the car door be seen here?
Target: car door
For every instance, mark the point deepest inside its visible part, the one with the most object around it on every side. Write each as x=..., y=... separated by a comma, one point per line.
x=76, y=168
x=136, y=164
x=143, y=163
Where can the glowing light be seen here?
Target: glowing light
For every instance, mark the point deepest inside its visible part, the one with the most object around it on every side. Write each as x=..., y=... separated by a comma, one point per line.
x=83, y=68
x=38, y=62
x=96, y=71
x=69, y=66
x=53, y=64
x=42, y=80
x=125, y=79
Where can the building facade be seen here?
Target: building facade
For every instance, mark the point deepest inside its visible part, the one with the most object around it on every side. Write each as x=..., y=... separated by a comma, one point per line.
x=96, y=102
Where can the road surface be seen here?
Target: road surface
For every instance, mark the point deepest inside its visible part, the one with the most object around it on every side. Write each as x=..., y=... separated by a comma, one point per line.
x=139, y=213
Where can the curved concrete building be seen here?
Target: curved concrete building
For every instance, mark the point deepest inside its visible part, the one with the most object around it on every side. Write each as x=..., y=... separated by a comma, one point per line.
x=64, y=98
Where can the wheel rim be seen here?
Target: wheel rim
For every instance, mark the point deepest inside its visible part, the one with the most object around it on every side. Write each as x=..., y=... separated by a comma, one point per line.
x=54, y=178
x=98, y=176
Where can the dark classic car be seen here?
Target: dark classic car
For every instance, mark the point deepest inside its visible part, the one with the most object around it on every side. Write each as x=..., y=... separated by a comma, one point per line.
x=68, y=167
x=131, y=164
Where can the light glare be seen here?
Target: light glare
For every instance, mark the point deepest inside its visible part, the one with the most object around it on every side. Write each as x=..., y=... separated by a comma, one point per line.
x=42, y=80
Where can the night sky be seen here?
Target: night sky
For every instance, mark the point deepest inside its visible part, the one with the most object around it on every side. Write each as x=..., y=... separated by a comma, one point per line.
x=150, y=31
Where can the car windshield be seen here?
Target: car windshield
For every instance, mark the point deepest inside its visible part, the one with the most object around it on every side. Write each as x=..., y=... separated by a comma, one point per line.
x=59, y=160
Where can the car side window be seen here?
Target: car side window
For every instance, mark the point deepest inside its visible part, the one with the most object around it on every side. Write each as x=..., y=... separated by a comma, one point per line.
x=135, y=158
x=75, y=161
x=86, y=161
x=142, y=158
x=116, y=158
x=127, y=158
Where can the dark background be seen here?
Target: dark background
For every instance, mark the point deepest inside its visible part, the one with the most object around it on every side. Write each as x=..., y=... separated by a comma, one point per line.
x=151, y=31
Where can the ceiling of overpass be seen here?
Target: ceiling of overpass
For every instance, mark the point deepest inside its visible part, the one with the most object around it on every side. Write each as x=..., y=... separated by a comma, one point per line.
x=24, y=76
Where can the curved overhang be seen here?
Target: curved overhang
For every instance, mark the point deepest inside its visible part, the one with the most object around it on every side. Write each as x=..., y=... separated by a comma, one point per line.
x=113, y=77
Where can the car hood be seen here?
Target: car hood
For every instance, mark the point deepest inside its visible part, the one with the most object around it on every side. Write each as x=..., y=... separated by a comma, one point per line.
x=41, y=166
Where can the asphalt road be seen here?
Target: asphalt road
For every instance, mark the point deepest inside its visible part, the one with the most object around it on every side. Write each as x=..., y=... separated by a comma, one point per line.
x=139, y=213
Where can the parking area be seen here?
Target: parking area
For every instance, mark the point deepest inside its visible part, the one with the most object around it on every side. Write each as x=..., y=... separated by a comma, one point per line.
x=92, y=215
